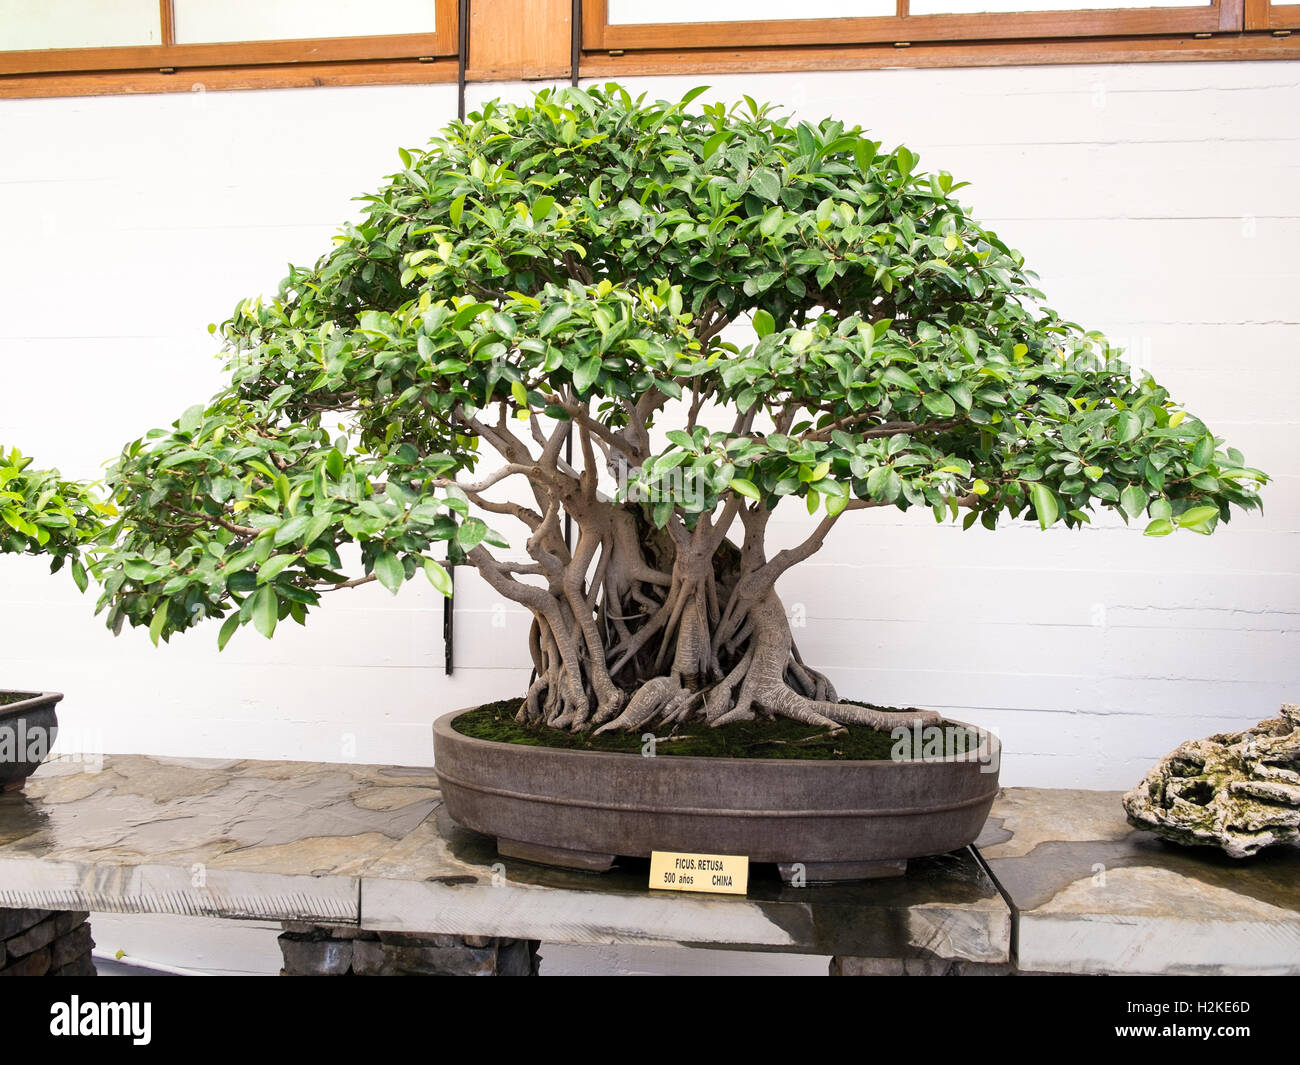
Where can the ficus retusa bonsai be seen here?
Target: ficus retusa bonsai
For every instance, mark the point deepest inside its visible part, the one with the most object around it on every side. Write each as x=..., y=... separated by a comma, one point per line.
x=553, y=283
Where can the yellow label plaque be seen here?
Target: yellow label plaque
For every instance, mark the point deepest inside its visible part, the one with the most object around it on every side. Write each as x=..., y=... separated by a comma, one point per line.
x=726, y=874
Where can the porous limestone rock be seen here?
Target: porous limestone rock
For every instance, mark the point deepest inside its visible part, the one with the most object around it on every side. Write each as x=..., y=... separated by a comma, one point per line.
x=1238, y=791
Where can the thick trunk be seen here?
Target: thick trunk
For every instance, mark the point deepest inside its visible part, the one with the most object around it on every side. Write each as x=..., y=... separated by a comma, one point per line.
x=636, y=626
x=668, y=630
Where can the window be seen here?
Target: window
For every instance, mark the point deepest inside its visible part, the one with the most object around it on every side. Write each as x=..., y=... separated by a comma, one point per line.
x=827, y=33
x=621, y=25
x=44, y=38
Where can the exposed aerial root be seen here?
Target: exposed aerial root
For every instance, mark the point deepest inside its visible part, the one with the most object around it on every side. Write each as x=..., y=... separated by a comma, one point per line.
x=740, y=712
x=786, y=702
x=769, y=679
x=718, y=704
x=655, y=698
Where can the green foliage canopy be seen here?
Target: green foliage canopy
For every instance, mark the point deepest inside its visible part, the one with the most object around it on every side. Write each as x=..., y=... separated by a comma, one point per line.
x=579, y=257
x=43, y=514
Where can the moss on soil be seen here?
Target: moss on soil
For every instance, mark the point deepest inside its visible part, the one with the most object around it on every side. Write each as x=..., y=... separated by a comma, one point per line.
x=14, y=697
x=779, y=738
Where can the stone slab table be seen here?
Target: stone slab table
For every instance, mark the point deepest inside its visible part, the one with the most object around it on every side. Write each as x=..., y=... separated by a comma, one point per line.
x=1091, y=894
x=371, y=848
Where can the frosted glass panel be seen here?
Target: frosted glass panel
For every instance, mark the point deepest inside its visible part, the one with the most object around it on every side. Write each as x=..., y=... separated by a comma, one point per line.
x=630, y=12
x=971, y=7
x=204, y=21
x=28, y=24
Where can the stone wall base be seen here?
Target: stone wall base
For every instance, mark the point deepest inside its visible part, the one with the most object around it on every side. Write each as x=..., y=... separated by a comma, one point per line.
x=843, y=965
x=339, y=950
x=45, y=943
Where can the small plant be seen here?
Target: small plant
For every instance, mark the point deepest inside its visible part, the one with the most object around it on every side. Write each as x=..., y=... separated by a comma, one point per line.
x=554, y=283
x=43, y=514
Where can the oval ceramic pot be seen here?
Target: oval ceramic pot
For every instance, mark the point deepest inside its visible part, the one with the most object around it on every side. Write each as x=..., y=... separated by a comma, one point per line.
x=826, y=820
x=27, y=731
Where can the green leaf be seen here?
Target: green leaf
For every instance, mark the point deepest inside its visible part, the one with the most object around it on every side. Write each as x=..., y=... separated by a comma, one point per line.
x=900, y=378
x=1203, y=451
x=1199, y=520
x=542, y=207
x=587, y=372
x=940, y=404
x=554, y=315
x=266, y=610
x=714, y=143
x=228, y=628
x=273, y=567
x=837, y=502
x=1127, y=426
x=389, y=570
x=292, y=529
x=456, y=209
x=470, y=533
x=182, y=457
x=1132, y=501
x=770, y=221
x=1159, y=527
x=159, y=622
x=745, y=488
x=765, y=183
x=190, y=421
x=1045, y=508
x=863, y=153
x=883, y=483
x=438, y=576
x=764, y=324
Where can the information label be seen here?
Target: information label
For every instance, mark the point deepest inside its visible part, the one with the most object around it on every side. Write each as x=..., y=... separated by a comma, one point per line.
x=726, y=874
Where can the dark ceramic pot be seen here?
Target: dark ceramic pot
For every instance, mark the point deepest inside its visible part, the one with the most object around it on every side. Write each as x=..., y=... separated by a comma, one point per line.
x=27, y=731
x=822, y=820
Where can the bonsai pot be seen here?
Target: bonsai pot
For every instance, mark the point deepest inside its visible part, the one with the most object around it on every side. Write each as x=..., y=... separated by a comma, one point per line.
x=28, y=726
x=819, y=820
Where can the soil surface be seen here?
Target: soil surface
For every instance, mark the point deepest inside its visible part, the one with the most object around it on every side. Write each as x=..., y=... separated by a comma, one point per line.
x=770, y=738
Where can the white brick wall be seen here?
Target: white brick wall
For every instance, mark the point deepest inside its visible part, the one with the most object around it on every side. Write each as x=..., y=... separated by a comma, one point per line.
x=1156, y=201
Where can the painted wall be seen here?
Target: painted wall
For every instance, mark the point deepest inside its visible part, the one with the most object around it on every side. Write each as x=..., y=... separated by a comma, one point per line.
x=1156, y=201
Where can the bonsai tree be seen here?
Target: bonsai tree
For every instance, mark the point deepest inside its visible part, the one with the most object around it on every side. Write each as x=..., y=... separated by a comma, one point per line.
x=43, y=514
x=551, y=285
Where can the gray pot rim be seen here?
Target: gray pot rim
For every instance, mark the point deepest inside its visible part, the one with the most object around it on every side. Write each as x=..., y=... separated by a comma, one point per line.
x=38, y=701
x=989, y=745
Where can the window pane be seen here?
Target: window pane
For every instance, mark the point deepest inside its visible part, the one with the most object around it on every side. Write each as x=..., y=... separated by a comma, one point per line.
x=971, y=7
x=203, y=21
x=631, y=12
x=28, y=24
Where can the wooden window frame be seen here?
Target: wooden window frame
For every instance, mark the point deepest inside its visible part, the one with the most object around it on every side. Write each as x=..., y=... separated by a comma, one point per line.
x=598, y=34
x=1230, y=30
x=170, y=56
x=1263, y=15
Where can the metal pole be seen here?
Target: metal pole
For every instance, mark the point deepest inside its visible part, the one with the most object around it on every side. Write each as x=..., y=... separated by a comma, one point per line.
x=449, y=604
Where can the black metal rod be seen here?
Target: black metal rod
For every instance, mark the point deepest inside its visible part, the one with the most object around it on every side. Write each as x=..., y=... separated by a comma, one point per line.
x=462, y=54
x=449, y=603
x=575, y=47
x=575, y=58
x=449, y=621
